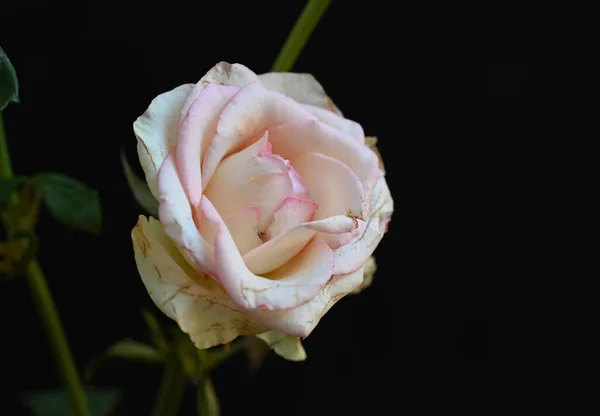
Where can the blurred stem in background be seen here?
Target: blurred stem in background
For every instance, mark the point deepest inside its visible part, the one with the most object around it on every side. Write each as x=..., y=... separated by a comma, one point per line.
x=46, y=307
x=299, y=35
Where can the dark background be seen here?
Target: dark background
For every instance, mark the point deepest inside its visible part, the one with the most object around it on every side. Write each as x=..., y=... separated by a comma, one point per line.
x=486, y=295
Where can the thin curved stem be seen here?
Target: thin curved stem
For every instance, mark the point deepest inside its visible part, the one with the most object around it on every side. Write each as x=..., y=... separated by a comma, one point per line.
x=300, y=33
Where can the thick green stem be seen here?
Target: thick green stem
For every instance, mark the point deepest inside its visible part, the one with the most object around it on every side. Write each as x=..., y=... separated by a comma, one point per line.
x=300, y=33
x=47, y=309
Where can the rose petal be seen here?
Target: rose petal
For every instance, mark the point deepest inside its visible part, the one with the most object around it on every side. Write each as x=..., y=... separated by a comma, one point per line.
x=296, y=137
x=302, y=320
x=292, y=285
x=331, y=184
x=156, y=131
x=223, y=73
x=351, y=127
x=278, y=251
x=370, y=269
x=292, y=212
x=177, y=218
x=355, y=253
x=243, y=226
x=303, y=88
x=195, y=133
x=195, y=302
x=249, y=178
x=250, y=112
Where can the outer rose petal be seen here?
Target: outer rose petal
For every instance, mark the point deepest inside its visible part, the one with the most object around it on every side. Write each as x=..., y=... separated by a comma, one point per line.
x=195, y=133
x=302, y=320
x=303, y=88
x=351, y=127
x=223, y=73
x=156, y=131
x=194, y=301
x=370, y=269
x=177, y=218
x=285, y=346
x=355, y=253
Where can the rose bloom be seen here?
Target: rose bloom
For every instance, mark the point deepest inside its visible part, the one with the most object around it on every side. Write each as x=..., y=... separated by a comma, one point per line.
x=270, y=206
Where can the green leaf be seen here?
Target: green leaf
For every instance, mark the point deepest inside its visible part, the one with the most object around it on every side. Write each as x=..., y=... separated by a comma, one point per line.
x=71, y=202
x=57, y=403
x=284, y=345
x=8, y=187
x=9, y=86
x=206, y=399
x=139, y=188
x=135, y=351
x=126, y=349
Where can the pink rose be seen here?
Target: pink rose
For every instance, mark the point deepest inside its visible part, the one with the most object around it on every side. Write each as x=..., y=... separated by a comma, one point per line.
x=270, y=202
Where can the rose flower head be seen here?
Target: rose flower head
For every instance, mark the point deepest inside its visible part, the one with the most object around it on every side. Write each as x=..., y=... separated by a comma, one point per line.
x=270, y=205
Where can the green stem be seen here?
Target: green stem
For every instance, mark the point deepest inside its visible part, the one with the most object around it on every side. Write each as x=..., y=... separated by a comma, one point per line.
x=47, y=309
x=172, y=387
x=300, y=33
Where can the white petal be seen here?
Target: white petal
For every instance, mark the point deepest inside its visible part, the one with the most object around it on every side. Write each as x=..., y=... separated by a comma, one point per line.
x=292, y=212
x=177, y=219
x=300, y=136
x=156, y=131
x=303, y=88
x=297, y=282
x=249, y=113
x=250, y=178
x=331, y=184
x=195, y=134
x=243, y=226
x=354, y=129
x=223, y=73
x=352, y=255
x=302, y=320
x=195, y=302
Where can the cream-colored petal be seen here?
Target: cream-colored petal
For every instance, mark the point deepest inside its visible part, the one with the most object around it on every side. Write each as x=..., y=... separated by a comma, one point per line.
x=177, y=219
x=297, y=282
x=297, y=137
x=285, y=346
x=250, y=178
x=331, y=184
x=249, y=113
x=196, y=302
x=302, y=320
x=243, y=226
x=352, y=255
x=303, y=88
x=370, y=269
x=351, y=127
x=195, y=133
x=156, y=131
x=223, y=73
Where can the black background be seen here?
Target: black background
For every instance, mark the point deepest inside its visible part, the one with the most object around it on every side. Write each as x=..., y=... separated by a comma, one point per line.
x=486, y=295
